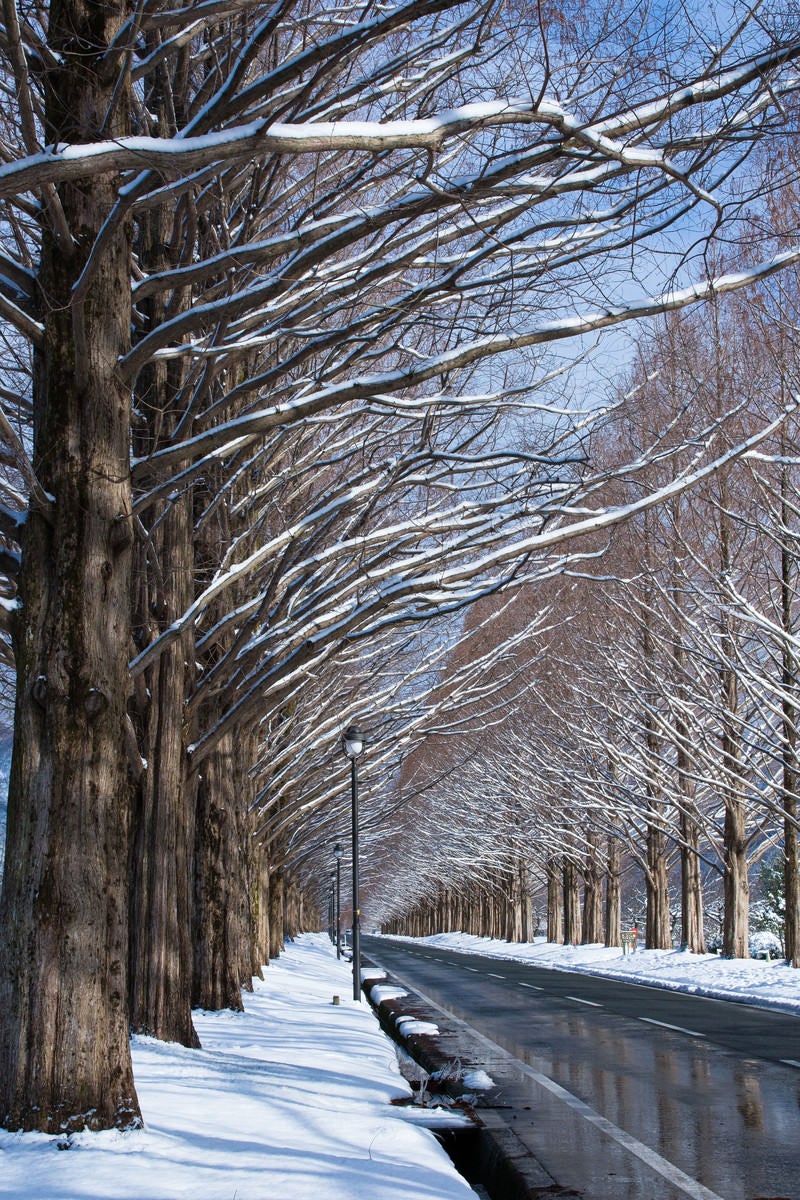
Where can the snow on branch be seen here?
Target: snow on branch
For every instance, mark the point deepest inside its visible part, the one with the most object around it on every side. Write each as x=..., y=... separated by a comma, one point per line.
x=59, y=163
x=234, y=435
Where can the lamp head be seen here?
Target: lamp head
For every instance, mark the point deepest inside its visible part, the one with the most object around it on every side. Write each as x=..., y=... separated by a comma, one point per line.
x=353, y=741
x=337, y=851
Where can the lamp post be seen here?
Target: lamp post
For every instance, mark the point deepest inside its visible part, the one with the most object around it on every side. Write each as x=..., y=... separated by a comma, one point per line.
x=353, y=744
x=337, y=854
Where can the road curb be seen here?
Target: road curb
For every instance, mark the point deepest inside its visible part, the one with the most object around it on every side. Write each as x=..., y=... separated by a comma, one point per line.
x=490, y=1153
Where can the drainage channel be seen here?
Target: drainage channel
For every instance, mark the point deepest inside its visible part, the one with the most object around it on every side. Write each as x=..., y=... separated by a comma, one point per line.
x=442, y=1070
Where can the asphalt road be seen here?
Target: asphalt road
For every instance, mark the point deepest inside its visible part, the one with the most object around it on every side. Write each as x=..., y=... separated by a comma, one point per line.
x=626, y=1092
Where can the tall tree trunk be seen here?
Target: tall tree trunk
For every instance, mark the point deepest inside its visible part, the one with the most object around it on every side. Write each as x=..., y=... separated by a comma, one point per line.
x=791, y=775
x=735, y=882
x=222, y=916
x=736, y=886
x=555, y=929
x=525, y=926
x=64, y=1054
x=613, y=894
x=164, y=810
x=692, y=933
x=259, y=909
x=572, y=904
x=513, y=930
x=658, y=932
x=592, y=896
x=791, y=869
x=276, y=891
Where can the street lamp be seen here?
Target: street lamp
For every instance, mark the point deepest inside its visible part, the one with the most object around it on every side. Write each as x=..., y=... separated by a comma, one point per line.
x=337, y=854
x=353, y=744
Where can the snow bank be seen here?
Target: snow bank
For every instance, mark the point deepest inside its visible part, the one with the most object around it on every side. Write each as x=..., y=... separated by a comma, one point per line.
x=289, y=1099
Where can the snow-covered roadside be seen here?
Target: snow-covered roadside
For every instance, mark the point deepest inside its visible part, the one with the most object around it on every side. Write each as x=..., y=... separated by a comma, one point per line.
x=753, y=981
x=288, y=1100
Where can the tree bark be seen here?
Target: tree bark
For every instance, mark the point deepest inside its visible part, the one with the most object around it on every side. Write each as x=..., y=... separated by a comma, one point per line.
x=222, y=916
x=791, y=775
x=275, y=914
x=692, y=932
x=658, y=931
x=164, y=811
x=514, y=901
x=736, y=885
x=658, y=934
x=791, y=870
x=572, y=904
x=64, y=1054
x=555, y=931
x=525, y=926
x=259, y=909
x=613, y=895
x=592, y=898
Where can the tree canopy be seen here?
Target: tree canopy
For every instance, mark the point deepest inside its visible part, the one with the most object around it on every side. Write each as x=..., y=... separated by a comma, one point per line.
x=296, y=302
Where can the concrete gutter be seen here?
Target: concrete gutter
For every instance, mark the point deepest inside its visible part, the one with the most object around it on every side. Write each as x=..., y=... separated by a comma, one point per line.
x=489, y=1152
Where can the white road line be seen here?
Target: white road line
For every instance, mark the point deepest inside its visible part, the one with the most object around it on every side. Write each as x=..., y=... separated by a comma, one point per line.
x=677, y=1028
x=578, y=1000
x=532, y=986
x=790, y=1062
x=495, y=976
x=474, y=970
x=438, y=960
x=662, y=1166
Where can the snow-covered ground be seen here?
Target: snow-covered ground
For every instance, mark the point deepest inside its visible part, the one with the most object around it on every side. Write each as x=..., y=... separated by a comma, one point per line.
x=753, y=981
x=292, y=1098
x=289, y=1100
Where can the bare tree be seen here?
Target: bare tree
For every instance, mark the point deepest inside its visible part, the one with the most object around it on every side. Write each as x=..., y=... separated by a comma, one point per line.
x=271, y=220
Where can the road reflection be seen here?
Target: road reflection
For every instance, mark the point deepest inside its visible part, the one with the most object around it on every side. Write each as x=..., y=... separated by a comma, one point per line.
x=727, y=1121
x=730, y=1123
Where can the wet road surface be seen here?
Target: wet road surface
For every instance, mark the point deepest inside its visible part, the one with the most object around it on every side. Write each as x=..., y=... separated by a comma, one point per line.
x=625, y=1092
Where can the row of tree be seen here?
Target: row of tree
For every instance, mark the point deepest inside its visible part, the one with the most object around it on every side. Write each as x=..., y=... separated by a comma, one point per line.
x=282, y=290
x=657, y=738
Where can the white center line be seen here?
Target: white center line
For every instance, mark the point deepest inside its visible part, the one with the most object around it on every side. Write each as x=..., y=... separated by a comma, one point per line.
x=532, y=986
x=495, y=976
x=474, y=970
x=677, y=1028
x=579, y=1000
x=790, y=1062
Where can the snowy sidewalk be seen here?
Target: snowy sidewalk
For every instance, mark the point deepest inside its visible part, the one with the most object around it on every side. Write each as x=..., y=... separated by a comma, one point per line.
x=289, y=1100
